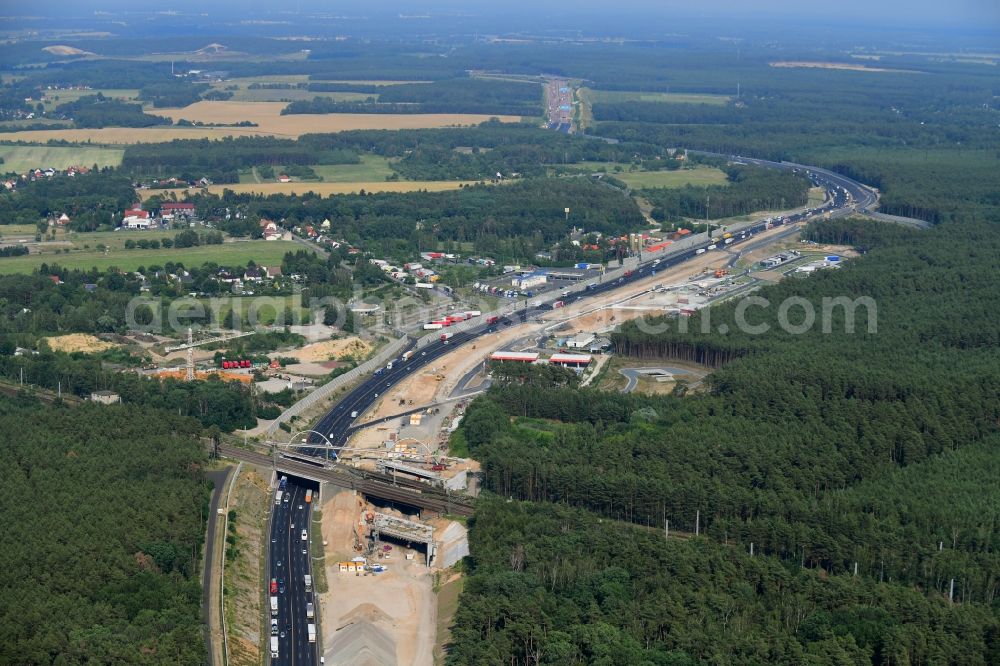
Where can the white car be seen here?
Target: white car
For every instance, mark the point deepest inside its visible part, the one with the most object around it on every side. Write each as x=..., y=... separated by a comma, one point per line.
x=305, y=535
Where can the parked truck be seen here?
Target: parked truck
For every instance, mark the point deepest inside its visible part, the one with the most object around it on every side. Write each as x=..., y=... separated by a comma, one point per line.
x=274, y=605
x=274, y=647
x=312, y=632
x=433, y=326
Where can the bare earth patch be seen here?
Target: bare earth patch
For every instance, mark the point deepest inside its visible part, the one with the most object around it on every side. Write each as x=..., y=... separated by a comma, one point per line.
x=839, y=65
x=331, y=350
x=78, y=342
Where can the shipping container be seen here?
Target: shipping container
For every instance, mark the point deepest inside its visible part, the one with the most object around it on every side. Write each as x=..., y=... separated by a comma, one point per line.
x=433, y=326
x=472, y=313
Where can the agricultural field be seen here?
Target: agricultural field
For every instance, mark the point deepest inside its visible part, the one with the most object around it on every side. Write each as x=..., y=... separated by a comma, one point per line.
x=596, y=96
x=54, y=98
x=111, y=240
x=19, y=159
x=328, y=188
x=17, y=230
x=229, y=254
x=372, y=168
x=698, y=176
x=269, y=121
x=244, y=93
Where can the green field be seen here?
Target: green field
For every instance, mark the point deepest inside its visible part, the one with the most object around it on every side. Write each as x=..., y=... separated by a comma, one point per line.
x=19, y=159
x=699, y=176
x=112, y=240
x=596, y=96
x=229, y=254
x=372, y=168
x=243, y=93
x=56, y=97
x=8, y=230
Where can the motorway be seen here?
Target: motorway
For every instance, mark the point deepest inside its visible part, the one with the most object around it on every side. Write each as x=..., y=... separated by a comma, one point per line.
x=289, y=557
x=337, y=424
x=288, y=562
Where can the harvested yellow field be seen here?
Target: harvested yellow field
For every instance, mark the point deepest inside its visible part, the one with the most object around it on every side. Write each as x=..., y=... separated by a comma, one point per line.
x=129, y=135
x=77, y=342
x=267, y=115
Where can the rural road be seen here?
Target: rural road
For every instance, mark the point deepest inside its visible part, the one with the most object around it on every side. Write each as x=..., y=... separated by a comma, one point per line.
x=212, y=620
x=633, y=374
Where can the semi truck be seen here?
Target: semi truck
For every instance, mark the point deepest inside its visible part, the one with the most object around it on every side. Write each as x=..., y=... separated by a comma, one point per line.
x=407, y=355
x=445, y=336
x=274, y=647
x=492, y=320
x=274, y=605
x=309, y=585
x=312, y=632
x=277, y=498
x=309, y=496
x=283, y=483
x=310, y=611
x=433, y=326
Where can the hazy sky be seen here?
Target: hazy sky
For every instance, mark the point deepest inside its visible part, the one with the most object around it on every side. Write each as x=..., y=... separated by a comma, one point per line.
x=981, y=14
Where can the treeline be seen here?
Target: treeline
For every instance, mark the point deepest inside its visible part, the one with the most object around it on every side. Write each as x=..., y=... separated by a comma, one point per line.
x=89, y=199
x=554, y=585
x=918, y=138
x=175, y=92
x=429, y=154
x=750, y=189
x=226, y=405
x=832, y=450
x=515, y=220
x=222, y=159
x=466, y=95
x=105, y=519
x=99, y=111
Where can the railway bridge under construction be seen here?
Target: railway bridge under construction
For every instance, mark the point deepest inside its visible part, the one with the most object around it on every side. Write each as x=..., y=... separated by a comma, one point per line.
x=373, y=485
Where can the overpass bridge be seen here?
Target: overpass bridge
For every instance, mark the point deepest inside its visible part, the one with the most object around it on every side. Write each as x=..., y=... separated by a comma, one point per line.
x=370, y=484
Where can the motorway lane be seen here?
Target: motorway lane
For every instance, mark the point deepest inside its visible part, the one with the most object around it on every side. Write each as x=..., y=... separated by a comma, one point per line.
x=289, y=565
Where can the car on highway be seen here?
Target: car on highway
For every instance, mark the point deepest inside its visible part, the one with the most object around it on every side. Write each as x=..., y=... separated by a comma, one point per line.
x=281, y=586
x=300, y=507
x=305, y=535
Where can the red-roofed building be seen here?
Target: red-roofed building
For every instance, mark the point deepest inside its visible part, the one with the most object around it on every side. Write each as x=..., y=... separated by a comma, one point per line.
x=170, y=210
x=136, y=218
x=572, y=360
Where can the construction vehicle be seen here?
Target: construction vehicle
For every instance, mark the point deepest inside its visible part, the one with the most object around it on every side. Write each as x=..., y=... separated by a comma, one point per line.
x=721, y=272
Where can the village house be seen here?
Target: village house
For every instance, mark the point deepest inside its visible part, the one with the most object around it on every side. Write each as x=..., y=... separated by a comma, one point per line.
x=136, y=218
